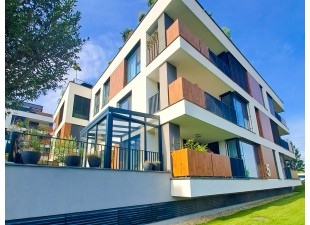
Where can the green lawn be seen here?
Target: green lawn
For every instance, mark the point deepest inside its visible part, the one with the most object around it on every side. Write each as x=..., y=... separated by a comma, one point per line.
x=289, y=210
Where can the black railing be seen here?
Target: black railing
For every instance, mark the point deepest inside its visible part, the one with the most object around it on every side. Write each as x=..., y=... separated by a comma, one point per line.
x=55, y=150
x=284, y=144
x=221, y=109
x=154, y=104
x=280, y=118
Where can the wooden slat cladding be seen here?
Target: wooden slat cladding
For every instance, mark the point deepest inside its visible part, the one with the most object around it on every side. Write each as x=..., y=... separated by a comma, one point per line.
x=178, y=29
x=183, y=89
x=191, y=163
x=264, y=125
x=294, y=174
x=65, y=130
x=254, y=89
x=266, y=157
x=117, y=80
x=56, y=121
x=221, y=166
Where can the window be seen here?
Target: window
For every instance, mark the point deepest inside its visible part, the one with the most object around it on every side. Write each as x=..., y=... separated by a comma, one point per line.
x=81, y=107
x=125, y=103
x=133, y=63
x=242, y=113
x=251, y=161
x=97, y=102
x=270, y=101
x=61, y=112
x=105, y=92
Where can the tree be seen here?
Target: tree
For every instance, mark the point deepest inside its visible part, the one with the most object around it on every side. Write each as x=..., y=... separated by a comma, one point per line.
x=227, y=32
x=297, y=164
x=126, y=34
x=41, y=44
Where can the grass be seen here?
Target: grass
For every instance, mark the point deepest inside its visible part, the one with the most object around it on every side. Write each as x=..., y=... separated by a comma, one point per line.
x=289, y=210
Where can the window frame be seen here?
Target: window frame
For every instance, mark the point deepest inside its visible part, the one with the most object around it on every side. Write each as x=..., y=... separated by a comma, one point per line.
x=122, y=100
x=106, y=84
x=74, y=101
x=97, y=101
x=133, y=54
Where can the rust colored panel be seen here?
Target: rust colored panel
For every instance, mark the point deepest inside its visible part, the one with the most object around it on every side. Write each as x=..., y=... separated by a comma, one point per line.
x=254, y=89
x=294, y=174
x=117, y=80
x=266, y=158
x=172, y=32
x=183, y=89
x=221, y=166
x=65, y=131
x=56, y=121
x=187, y=162
x=189, y=36
x=264, y=125
x=204, y=49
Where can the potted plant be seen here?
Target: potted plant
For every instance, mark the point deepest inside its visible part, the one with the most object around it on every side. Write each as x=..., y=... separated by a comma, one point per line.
x=156, y=165
x=147, y=165
x=93, y=159
x=72, y=155
x=31, y=146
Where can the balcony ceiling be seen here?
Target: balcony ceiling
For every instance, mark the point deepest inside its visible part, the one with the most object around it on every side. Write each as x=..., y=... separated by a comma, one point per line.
x=190, y=126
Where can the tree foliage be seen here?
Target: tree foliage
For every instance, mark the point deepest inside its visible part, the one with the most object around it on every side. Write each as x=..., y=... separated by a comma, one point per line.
x=140, y=17
x=41, y=43
x=150, y=3
x=227, y=31
x=126, y=34
x=297, y=164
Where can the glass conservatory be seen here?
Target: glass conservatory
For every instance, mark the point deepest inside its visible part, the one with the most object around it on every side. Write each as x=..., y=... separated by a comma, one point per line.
x=124, y=139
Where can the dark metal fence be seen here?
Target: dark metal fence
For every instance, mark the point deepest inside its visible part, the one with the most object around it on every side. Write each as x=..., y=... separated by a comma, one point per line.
x=55, y=150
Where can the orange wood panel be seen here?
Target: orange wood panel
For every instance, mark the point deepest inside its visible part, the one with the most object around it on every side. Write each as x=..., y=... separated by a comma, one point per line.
x=56, y=121
x=117, y=80
x=264, y=125
x=254, y=89
x=221, y=166
x=294, y=174
x=204, y=49
x=187, y=162
x=183, y=89
x=266, y=157
x=172, y=32
x=65, y=131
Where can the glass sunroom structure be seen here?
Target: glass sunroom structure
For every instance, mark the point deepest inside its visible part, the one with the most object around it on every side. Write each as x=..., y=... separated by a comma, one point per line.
x=124, y=139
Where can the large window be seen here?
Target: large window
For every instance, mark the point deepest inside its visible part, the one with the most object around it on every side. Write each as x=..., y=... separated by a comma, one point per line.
x=270, y=102
x=105, y=92
x=242, y=113
x=125, y=103
x=81, y=107
x=251, y=161
x=97, y=102
x=133, y=63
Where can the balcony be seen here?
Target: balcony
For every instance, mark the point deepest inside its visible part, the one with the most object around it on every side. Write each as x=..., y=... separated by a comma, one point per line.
x=280, y=119
x=152, y=44
x=184, y=89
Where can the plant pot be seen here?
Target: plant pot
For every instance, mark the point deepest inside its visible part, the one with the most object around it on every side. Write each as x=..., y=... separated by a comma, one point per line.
x=94, y=161
x=30, y=157
x=156, y=166
x=72, y=160
x=147, y=166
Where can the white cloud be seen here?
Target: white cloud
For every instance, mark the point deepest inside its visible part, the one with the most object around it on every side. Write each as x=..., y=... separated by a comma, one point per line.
x=93, y=61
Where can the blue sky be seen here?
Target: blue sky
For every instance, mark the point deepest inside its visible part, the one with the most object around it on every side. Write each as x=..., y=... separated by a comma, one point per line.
x=269, y=33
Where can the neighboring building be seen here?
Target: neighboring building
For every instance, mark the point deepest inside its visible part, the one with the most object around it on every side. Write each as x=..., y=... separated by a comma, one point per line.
x=72, y=113
x=177, y=77
x=34, y=113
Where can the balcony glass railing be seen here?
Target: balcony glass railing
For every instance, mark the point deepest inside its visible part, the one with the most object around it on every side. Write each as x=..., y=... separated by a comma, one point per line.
x=221, y=109
x=280, y=118
x=284, y=144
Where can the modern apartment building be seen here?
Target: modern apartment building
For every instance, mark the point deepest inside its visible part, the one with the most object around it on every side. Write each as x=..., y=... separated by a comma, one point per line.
x=177, y=77
x=34, y=113
x=72, y=113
